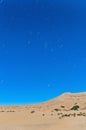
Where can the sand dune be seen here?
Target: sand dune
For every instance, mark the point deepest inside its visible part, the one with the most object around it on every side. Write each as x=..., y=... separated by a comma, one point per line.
x=65, y=112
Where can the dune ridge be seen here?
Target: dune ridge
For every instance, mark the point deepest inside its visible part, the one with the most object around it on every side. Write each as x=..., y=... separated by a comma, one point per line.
x=67, y=111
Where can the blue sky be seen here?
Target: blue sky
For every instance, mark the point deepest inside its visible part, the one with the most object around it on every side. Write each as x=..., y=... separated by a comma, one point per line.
x=42, y=49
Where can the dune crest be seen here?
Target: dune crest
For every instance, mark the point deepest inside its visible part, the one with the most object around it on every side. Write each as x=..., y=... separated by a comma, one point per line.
x=67, y=111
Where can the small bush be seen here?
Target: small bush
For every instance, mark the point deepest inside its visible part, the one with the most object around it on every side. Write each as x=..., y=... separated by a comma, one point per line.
x=76, y=107
x=2, y=111
x=11, y=111
x=43, y=114
x=32, y=111
x=56, y=109
x=62, y=106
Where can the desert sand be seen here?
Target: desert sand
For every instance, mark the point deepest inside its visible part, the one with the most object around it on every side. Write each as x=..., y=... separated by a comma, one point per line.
x=66, y=112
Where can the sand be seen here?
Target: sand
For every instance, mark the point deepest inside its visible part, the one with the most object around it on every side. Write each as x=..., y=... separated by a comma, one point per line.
x=55, y=114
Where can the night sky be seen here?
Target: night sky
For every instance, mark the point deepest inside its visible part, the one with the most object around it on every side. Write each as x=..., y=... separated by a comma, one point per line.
x=42, y=49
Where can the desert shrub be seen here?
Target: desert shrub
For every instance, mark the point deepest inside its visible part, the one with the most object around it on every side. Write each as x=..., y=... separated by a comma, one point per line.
x=59, y=114
x=62, y=106
x=32, y=111
x=56, y=109
x=11, y=111
x=67, y=115
x=74, y=114
x=78, y=114
x=76, y=107
x=43, y=114
x=2, y=111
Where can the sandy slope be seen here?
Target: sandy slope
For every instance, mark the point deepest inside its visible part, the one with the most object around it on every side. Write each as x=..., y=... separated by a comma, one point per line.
x=52, y=115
